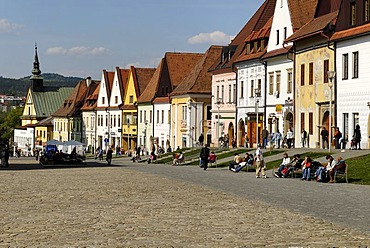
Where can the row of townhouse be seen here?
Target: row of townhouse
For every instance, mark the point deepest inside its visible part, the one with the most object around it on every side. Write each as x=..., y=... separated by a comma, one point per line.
x=296, y=64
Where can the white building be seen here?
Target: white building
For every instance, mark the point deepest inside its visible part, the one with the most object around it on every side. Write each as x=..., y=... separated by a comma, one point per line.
x=24, y=139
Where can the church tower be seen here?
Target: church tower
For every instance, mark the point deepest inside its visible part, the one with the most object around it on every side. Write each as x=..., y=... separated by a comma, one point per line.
x=37, y=82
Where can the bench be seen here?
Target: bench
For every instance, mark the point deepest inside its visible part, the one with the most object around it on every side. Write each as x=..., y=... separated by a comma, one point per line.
x=341, y=173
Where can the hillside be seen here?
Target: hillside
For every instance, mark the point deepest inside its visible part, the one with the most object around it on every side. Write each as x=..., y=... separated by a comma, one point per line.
x=19, y=87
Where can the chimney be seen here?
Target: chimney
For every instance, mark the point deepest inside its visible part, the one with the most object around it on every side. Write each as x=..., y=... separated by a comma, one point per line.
x=88, y=81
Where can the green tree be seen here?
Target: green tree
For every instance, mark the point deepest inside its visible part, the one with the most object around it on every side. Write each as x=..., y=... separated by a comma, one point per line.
x=10, y=121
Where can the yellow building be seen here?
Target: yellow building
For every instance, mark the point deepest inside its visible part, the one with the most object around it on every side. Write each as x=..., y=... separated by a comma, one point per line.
x=137, y=81
x=313, y=94
x=44, y=131
x=191, y=103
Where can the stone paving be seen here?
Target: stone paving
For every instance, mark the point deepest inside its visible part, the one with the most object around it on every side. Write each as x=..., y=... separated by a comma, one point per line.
x=141, y=205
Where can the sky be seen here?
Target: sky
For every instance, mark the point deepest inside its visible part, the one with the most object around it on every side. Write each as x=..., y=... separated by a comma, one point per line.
x=83, y=37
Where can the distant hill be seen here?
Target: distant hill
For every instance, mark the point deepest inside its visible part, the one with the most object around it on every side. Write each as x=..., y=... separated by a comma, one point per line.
x=19, y=87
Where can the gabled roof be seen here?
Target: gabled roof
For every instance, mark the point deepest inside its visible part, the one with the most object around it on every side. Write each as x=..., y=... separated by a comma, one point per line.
x=301, y=12
x=315, y=26
x=91, y=96
x=46, y=122
x=257, y=21
x=172, y=69
x=276, y=52
x=199, y=80
x=262, y=33
x=141, y=78
x=73, y=102
x=122, y=80
x=108, y=77
x=352, y=32
x=48, y=101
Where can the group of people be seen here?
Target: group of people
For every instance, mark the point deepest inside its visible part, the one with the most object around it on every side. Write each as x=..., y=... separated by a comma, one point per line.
x=340, y=140
x=277, y=139
x=322, y=172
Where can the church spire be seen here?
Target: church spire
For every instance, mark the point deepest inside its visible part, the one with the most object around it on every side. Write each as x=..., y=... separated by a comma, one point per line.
x=37, y=83
x=36, y=72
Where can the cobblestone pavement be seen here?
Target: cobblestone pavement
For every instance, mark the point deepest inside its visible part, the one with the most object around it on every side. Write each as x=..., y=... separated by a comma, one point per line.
x=141, y=205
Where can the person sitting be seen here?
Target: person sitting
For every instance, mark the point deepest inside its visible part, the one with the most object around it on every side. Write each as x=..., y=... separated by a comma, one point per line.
x=306, y=171
x=152, y=157
x=178, y=158
x=283, y=165
x=321, y=173
x=212, y=157
x=248, y=161
x=296, y=164
x=236, y=161
x=340, y=165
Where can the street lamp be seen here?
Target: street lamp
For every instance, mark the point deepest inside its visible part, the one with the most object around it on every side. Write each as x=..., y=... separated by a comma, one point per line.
x=331, y=75
x=128, y=132
x=218, y=104
x=257, y=94
x=144, y=132
x=188, y=103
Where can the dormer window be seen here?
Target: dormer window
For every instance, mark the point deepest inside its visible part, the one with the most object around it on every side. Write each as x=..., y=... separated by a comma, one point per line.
x=131, y=99
x=366, y=10
x=103, y=100
x=277, y=37
x=353, y=13
x=248, y=48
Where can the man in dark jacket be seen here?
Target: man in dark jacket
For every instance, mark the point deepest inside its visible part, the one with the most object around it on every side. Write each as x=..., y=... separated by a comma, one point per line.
x=204, y=154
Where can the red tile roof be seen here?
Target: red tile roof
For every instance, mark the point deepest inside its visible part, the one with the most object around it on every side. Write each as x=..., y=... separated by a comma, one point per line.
x=352, y=32
x=91, y=97
x=141, y=78
x=301, y=12
x=315, y=26
x=257, y=21
x=172, y=69
x=199, y=80
x=276, y=52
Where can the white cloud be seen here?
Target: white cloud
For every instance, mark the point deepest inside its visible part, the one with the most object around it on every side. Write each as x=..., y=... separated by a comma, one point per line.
x=76, y=51
x=216, y=37
x=7, y=27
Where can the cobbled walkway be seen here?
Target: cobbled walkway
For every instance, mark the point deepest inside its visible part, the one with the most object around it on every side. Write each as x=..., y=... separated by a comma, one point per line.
x=141, y=205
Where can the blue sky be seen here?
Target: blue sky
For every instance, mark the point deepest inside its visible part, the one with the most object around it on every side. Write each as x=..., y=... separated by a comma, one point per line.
x=82, y=37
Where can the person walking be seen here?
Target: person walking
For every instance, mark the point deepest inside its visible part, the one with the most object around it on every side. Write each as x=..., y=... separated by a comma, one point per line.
x=265, y=135
x=304, y=137
x=289, y=138
x=278, y=138
x=324, y=138
x=357, y=137
x=109, y=156
x=204, y=155
x=260, y=163
x=337, y=136
x=201, y=139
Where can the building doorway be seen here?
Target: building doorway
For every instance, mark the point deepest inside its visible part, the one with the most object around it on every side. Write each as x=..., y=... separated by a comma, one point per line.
x=231, y=134
x=288, y=122
x=241, y=133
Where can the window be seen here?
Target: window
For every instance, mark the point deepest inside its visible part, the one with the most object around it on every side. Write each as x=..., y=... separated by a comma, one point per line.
x=366, y=11
x=141, y=116
x=259, y=85
x=353, y=13
x=169, y=117
x=355, y=65
x=326, y=69
x=103, y=100
x=345, y=125
x=252, y=88
x=234, y=93
x=157, y=116
x=106, y=120
x=289, y=81
x=355, y=120
x=302, y=121
x=222, y=93
x=277, y=37
x=271, y=83
x=230, y=96
x=131, y=99
x=150, y=116
x=145, y=118
x=241, y=89
x=310, y=79
x=184, y=113
x=29, y=110
x=285, y=33
x=310, y=123
x=302, y=74
x=218, y=93
x=119, y=120
x=345, y=66
x=162, y=116
x=116, y=99
x=278, y=77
